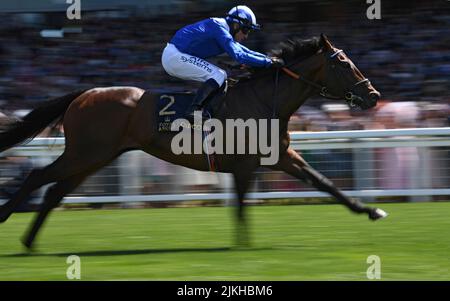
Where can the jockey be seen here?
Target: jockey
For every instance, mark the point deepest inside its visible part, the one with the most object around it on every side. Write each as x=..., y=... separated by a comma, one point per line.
x=185, y=54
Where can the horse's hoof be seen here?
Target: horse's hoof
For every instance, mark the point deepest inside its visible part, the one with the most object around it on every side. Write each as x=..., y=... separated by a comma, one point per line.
x=27, y=244
x=5, y=213
x=377, y=214
x=4, y=217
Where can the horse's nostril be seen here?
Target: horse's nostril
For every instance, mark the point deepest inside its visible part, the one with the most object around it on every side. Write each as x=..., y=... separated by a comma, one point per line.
x=374, y=96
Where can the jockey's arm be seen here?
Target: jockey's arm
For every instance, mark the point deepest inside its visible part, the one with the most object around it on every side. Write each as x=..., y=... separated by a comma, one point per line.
x=251, y=51
x=238, y=52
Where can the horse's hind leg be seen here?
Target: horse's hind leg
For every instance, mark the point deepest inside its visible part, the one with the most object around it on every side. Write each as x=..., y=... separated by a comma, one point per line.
x=64, y=167
x=52, y=198
x=37, y=178
x=59, y=190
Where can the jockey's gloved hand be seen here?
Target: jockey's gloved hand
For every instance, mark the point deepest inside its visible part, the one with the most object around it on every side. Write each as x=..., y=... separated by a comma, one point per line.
x=277, y=62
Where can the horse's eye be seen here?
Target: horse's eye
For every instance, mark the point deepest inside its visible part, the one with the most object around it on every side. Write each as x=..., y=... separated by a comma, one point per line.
x=347, y=65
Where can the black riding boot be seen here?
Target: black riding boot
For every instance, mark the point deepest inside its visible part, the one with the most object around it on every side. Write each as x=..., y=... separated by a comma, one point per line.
x=200, y=99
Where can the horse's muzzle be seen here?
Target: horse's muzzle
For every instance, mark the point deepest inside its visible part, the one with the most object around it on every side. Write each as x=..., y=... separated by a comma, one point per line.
x=371, y=101
x=374, y=97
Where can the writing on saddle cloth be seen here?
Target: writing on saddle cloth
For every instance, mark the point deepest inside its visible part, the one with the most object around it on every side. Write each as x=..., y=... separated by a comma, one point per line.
x=171, y=106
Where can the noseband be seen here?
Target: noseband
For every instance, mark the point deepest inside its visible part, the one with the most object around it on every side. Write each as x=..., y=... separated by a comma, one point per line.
x=350, y=97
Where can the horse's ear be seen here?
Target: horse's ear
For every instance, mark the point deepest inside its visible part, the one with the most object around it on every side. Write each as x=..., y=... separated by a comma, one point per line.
x=326, y=44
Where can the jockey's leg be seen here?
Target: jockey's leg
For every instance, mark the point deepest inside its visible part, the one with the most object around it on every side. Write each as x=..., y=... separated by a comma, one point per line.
x=190, y=67
x=202, y=98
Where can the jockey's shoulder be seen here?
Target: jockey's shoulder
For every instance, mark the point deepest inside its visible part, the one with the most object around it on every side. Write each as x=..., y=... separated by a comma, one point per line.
x=219, y=21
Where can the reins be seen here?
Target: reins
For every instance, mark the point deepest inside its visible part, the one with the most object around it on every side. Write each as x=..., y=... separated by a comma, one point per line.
x=349, y=96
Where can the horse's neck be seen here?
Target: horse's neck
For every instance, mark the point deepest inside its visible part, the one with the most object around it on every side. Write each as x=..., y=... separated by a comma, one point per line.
x=249, y=100
x=261, y=98
x=292, y=95
x=295, y=92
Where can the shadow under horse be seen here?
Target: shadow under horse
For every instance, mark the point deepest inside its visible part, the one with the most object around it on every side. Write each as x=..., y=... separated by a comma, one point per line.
x=102, y=123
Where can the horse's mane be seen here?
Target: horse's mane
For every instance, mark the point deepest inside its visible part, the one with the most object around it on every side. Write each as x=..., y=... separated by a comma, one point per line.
x=293, y=49
x=296, y=49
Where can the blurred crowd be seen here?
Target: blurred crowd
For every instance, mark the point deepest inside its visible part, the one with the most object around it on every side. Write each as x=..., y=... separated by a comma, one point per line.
x=386, y=115
x=405, y=55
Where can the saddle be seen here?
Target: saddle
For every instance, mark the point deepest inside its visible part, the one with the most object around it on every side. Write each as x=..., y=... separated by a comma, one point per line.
x=173, y=105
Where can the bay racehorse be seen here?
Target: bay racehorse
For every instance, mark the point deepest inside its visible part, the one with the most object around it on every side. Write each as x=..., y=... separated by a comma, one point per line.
x=102, y=123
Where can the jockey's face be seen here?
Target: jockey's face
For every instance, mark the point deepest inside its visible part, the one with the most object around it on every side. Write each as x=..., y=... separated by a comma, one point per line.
x=239, y=36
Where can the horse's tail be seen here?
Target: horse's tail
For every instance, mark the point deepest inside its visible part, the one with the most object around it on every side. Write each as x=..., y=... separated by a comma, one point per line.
x=36, y=121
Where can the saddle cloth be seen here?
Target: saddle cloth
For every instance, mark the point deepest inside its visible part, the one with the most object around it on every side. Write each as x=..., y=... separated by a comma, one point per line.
x=173, y=105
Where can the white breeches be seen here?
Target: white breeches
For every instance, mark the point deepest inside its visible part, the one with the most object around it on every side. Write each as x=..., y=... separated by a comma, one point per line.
x=190, y=67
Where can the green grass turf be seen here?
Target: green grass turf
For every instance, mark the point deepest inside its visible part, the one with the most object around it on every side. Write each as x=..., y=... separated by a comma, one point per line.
x=321, y=242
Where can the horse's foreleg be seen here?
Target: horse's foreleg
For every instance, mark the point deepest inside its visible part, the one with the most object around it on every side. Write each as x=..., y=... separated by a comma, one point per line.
x=52, y=198
x=242, y=183
x=293, y=164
